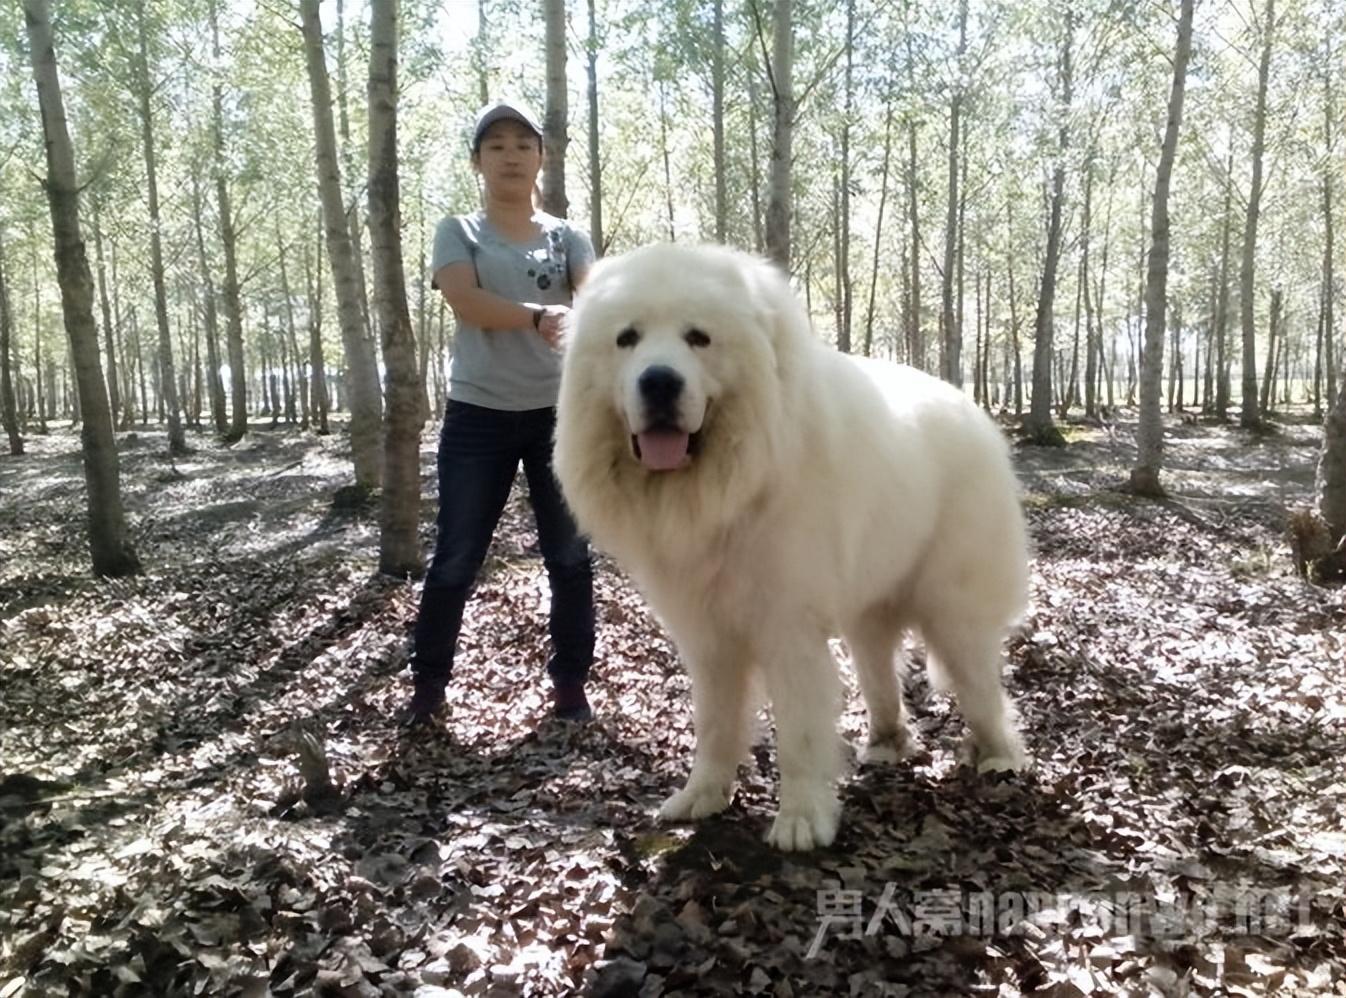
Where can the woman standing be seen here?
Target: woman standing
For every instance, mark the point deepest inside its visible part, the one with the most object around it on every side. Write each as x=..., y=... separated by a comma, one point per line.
x=509, y=273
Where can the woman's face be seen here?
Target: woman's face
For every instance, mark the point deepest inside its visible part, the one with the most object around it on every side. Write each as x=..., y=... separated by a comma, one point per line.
x=509, y=159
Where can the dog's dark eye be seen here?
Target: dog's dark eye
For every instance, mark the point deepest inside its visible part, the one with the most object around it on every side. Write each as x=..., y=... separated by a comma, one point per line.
x=628, y=337
x=696, y=338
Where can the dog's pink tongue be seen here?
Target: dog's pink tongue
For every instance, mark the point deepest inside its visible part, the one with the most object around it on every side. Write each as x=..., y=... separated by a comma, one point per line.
x=663, y=450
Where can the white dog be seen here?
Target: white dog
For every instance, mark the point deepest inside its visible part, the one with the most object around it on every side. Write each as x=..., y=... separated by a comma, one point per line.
x=766, y=492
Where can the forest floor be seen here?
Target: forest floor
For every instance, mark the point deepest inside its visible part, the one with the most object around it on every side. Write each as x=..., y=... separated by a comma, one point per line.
x=1182, y=691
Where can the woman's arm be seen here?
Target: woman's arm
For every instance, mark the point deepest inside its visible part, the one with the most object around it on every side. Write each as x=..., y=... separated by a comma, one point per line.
x=578, y=273
x=458, y=284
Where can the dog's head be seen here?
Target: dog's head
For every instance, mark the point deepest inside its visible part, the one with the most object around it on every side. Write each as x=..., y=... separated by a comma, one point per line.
x=669, y=337
x=679, y=365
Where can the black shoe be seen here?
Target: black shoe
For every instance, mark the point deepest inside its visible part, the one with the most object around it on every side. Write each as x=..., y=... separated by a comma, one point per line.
x=426, y=702
x=570, y=703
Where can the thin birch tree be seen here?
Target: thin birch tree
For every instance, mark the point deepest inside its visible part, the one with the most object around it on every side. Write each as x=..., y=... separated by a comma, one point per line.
x=9, y=414
x=1248, y=416
x=1039, y=427
x=556, y=112
x=1150, y=435
x=362, y=379
x=780, y=74
x=399, y=520
x=950, y=336
x=109, y=543
x=168, y=392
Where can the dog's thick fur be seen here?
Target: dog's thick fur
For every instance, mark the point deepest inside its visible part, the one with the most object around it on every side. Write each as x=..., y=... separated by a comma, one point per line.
x=822, y=494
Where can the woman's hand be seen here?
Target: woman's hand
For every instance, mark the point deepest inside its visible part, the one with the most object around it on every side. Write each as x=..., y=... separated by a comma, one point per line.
x=551, y=326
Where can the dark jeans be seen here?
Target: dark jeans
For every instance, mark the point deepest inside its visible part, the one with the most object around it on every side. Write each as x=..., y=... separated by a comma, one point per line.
x=479, y=453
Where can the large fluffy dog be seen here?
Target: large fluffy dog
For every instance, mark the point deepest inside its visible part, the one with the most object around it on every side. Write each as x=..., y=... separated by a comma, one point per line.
x=766, y=492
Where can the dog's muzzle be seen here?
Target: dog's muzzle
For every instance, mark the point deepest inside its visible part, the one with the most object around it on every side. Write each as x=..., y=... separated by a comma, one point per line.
x=660, y=388
x=663, y=444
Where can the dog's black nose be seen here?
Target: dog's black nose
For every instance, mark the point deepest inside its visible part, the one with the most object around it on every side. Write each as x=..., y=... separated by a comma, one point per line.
x=660, y=386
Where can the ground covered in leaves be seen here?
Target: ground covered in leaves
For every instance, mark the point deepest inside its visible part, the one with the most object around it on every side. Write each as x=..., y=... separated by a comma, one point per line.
x=1182, y=691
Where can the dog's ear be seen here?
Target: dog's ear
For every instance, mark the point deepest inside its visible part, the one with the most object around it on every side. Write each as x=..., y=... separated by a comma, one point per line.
x=780, y=312
x=594, y=279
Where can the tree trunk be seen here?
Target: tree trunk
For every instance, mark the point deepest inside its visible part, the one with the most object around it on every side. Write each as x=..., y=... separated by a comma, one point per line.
x=1248, y=417
x=949, y=366
x=960, y=271
x=233, y=304
x=126, y=416
x=39, y=382
x=292, y=340
x=878, y=229
x=1100, y=295
x=1330, y=481
x=177, y=439
x=399, y=521
x=664, y=155
x=481, y=51
x=1175, y=385
x=1070, y=370
x=754, y=167
x=782, y=136
x=362, y=384
x=109, y=544
x=595, y=160
x=554, y=200
x=977, y=346
x=1318, y=351
x=1142, y=264
x=1222, y=302
x=1039, y=427
x=716, y=118
x=287, y=379
x=1196, y=369
x=1086, y=236
x=835, y=229
x=349, y=170
x=1273, y=341
x=986, y=350
x=196, y=394
x=1287, y=357
x=1092, y=347
x=214, y=386
x=1150, y=435
x=9, y=415
x=317, y=372
x=109, y=331
x=1208, y=373
x=1329, y=270
x=139, y=348
x=915, y=337
x=844, y=206
x=1015, y=348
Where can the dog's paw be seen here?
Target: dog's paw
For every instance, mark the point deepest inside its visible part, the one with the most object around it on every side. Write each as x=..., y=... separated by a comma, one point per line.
x=1015, y=762
x=805, y=824
x=1007, y=758
x=696, y=800
x=890, y=750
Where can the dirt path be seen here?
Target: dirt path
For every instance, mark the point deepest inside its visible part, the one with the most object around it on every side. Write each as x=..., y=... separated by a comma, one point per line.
x=1182, y=692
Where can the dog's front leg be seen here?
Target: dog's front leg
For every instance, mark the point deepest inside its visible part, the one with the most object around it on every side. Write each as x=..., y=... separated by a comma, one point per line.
x=806, y=704
x=720, y=673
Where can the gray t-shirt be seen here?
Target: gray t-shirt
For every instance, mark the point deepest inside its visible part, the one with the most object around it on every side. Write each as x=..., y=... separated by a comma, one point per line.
x=512, y=369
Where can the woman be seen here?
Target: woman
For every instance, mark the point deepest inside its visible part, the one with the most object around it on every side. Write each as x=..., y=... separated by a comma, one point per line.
x=509, y=273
